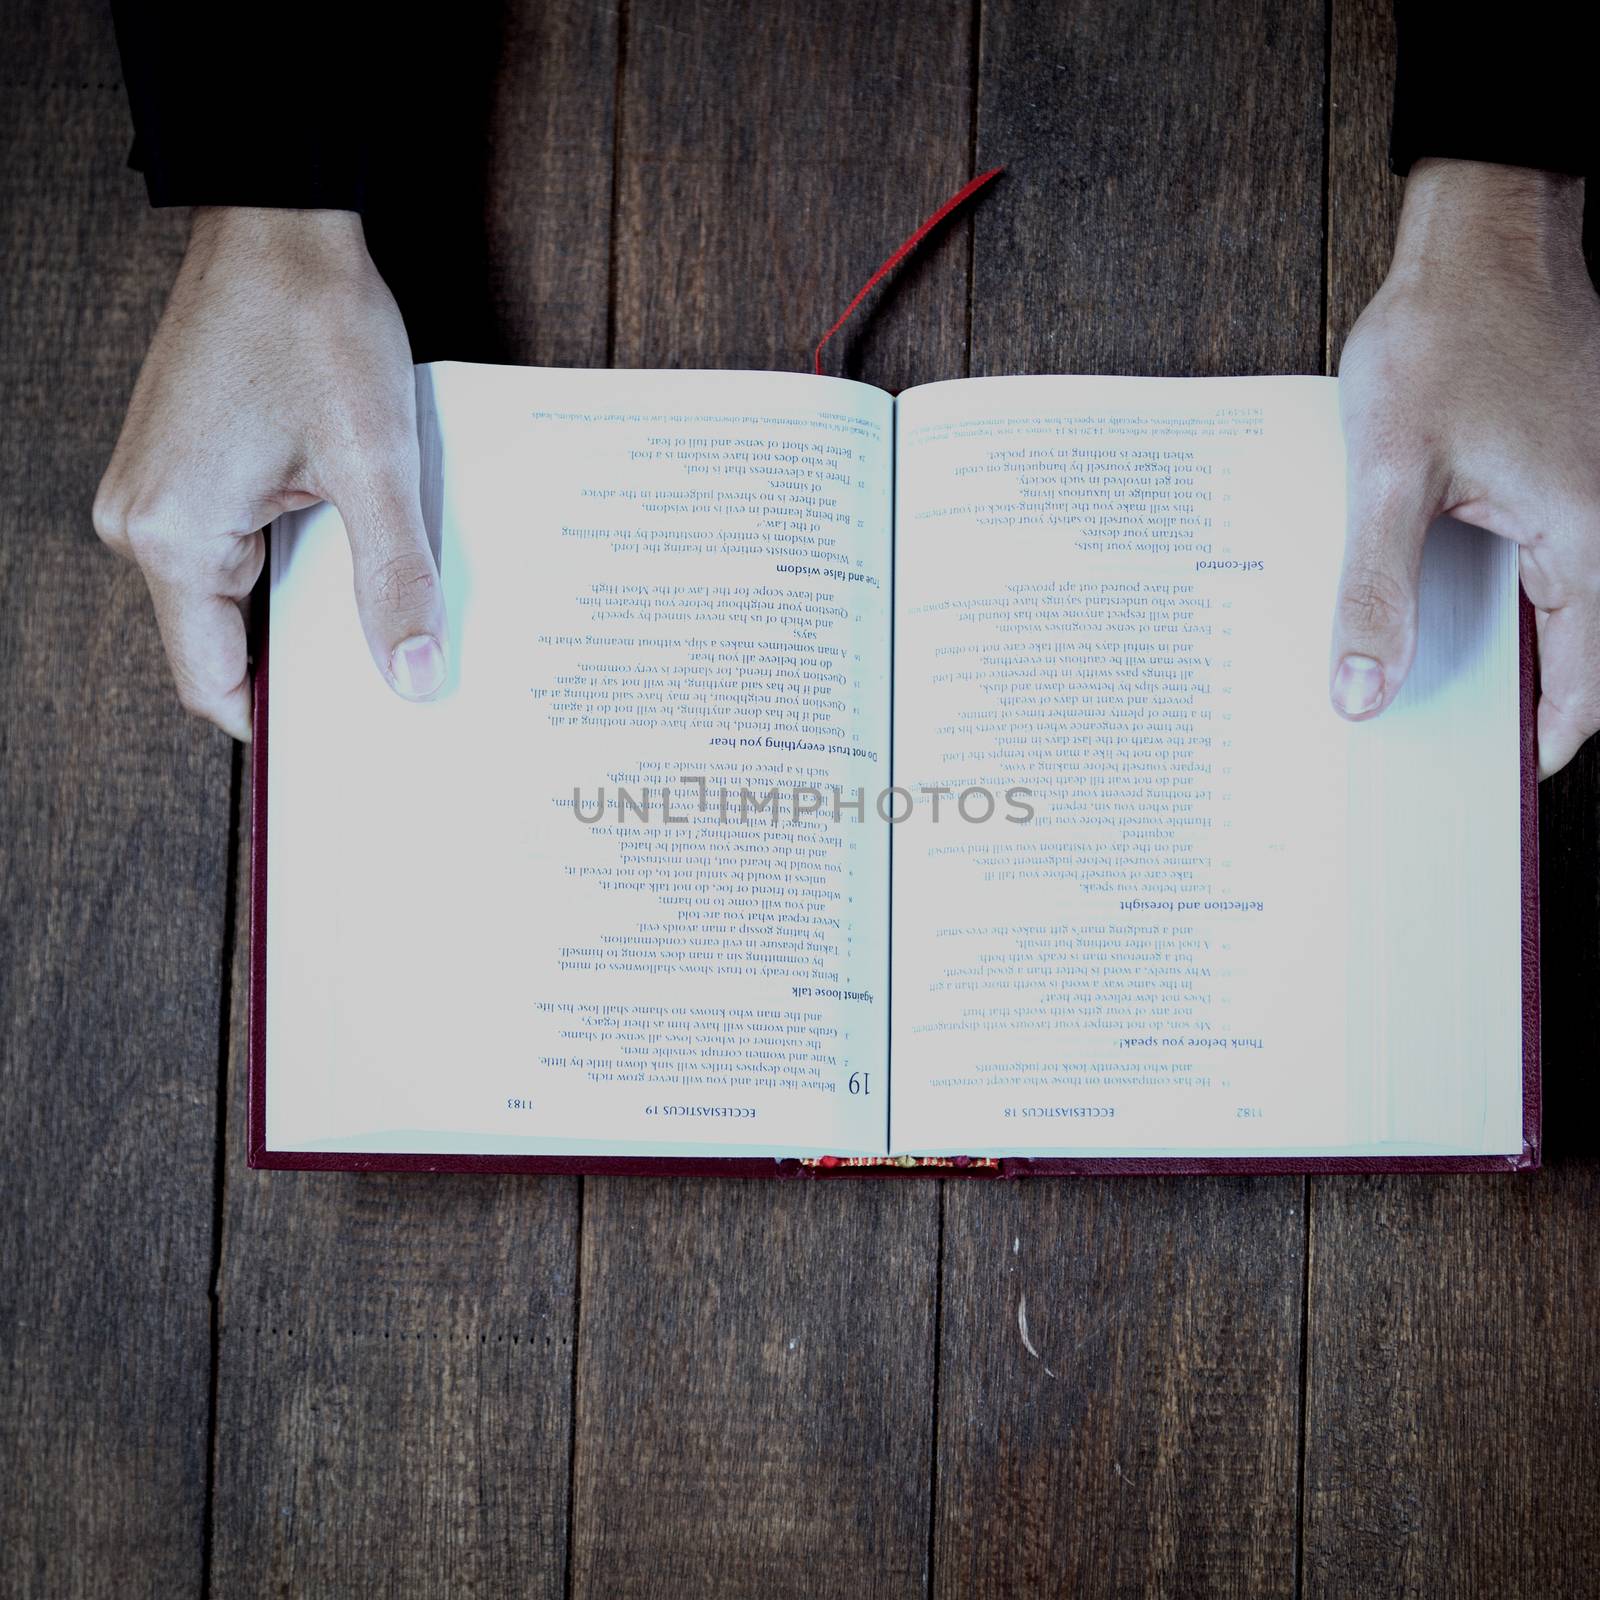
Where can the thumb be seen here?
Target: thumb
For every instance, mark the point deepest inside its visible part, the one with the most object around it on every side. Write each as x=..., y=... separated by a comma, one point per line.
x=1569, y=681
x=396, y=581
x=1375, y=614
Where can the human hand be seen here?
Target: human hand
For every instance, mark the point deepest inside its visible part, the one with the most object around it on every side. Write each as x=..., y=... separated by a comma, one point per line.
x=1470, y=387
x=280, y=375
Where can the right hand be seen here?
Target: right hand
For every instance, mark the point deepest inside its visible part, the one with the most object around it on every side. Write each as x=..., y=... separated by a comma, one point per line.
x=280, y=375
x=1470, y=387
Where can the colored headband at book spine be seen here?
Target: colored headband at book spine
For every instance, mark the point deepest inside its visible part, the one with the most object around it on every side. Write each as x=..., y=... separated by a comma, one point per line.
x=954, y=203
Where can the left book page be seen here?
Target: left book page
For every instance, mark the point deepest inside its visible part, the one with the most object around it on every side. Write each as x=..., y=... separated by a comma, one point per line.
x=597, y=896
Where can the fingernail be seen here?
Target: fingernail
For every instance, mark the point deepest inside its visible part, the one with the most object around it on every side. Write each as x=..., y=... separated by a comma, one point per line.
x=1357, y=685
x=417, y=666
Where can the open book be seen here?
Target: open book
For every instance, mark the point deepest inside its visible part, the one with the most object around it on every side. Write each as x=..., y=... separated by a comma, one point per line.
x=826, y=778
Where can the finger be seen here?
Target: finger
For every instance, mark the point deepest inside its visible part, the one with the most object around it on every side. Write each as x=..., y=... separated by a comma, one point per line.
x=1569, y=682
x=1375, y=613
x=203, y=633
x=396, y=581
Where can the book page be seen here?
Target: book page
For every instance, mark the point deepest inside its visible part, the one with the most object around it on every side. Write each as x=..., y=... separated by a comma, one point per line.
x=597, y=896
x=1233, y=923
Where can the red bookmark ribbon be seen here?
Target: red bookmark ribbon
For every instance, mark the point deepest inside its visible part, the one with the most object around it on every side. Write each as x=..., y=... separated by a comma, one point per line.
x=958, y=199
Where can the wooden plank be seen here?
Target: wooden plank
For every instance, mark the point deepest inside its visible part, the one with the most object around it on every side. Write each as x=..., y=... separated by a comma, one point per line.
x=1161, y=214
x=1452, y=1433
x=1118, y=1387
x=396, y=1352
x=756, y=1359
x=113, y=883
x=1363, y=195
x=1452, y=1440
x=1162, y=211
x=755, y=1379
x=767, y=170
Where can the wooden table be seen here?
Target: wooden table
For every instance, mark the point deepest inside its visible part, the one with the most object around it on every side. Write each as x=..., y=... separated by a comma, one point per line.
x=240, y=1384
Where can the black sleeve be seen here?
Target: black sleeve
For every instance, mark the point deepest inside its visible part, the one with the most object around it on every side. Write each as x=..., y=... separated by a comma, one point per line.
x=254, y=105
x=1485, y=84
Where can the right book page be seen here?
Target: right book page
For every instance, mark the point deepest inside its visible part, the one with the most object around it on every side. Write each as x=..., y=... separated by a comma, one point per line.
x=1235, y=923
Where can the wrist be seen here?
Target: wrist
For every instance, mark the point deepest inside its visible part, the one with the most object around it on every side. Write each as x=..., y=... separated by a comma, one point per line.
x=1475, y=216
x=304, y=235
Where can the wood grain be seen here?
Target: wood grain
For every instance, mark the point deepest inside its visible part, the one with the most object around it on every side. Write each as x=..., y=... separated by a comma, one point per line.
x=1452, y=1425
x=1452, y=1428
x=755, y=1380
x=735, y=1388
x=1162, y=213
x=396, y=1353
x=754, y=1385
x=1162, y=210
x=766, y=170
x=1118, y=1387
x=113, y=881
